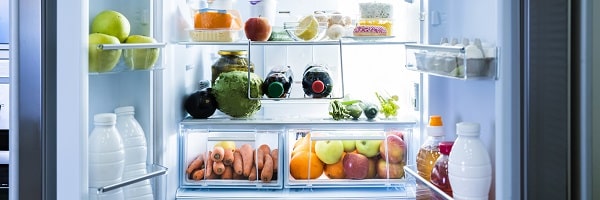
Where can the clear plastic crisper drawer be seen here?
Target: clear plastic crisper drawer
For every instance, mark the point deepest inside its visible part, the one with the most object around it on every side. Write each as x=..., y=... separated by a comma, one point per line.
x=452, y=61
x=222, y=158
x=347, y=158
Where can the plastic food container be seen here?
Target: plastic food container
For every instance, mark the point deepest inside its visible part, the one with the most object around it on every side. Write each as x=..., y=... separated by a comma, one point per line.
x=214, y=35
x=211, y=172
x=384, y=22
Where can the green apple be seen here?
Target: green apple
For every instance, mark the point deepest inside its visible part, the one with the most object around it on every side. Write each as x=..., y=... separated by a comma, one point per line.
x=102, y=60
x=113, y=23
x=140, y=58
x=329, y=151
x=349, y=145
x=368, y=148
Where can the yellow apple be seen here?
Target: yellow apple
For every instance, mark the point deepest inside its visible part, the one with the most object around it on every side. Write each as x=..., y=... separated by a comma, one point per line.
x=113, y=23
x=102, y=60
x=140, y=58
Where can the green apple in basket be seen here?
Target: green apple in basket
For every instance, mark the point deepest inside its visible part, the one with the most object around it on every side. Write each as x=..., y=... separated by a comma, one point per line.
x=140, y=59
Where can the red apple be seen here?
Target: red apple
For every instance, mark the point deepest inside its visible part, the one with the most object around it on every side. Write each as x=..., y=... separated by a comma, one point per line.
x=396, y=170
x=396, y=149
x=372, y=168
x=257, y=29
x=356, y=166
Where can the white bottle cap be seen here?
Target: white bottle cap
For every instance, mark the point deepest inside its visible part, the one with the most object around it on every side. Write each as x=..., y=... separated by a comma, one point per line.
x=124, y=109
x=435, y=131
x=105, y=118
x=467, y=129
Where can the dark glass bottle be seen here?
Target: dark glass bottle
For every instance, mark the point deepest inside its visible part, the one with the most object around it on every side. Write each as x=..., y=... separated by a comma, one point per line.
x=231, y=60
x=278, y=82
x=316, y=81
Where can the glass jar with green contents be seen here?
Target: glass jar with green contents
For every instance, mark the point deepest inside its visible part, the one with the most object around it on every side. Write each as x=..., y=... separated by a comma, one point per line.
x=231, y=60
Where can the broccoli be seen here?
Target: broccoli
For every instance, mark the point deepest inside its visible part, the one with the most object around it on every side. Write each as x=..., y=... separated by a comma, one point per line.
x=231, y=92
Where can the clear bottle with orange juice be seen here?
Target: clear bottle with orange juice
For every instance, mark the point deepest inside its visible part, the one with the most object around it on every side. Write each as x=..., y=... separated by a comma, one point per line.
x=430, y=150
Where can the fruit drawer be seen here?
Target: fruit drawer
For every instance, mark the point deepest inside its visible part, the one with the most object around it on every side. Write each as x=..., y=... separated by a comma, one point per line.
x=452, y=61
x=346, y=158
x=230, y=159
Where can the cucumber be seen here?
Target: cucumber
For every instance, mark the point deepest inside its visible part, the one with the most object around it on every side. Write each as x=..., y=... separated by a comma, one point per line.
x=370, y=110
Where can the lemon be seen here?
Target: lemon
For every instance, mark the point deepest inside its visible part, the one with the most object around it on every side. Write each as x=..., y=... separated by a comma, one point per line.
x=307, y=28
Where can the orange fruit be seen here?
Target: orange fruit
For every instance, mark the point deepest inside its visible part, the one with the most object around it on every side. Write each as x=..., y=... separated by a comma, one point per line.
x=300, y=166
x=335, y=170
x=213, y=20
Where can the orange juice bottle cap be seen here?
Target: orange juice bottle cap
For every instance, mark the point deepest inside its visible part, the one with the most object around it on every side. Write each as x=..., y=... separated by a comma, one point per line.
x=435, y=120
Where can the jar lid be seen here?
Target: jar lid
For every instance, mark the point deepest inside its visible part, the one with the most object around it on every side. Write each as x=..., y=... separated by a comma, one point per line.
x=467, y=128
x=105, y=118
x=445, y=147
x=232, y=52
x=124, y=109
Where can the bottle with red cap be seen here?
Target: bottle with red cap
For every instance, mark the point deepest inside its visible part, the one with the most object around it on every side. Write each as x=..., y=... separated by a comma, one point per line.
x=316, y=81
x=278, y=82
x=439, y=174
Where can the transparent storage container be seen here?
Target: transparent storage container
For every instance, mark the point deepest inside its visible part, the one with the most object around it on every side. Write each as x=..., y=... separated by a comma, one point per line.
x=199, y=142
x=450, y=61
x=156, y=175
x=131, y=57
x=361, y=165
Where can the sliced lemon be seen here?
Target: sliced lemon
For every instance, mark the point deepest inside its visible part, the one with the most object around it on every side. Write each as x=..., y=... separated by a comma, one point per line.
x=307, y=28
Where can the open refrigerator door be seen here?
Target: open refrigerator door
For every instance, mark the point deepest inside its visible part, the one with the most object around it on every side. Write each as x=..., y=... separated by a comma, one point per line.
x=302, y=127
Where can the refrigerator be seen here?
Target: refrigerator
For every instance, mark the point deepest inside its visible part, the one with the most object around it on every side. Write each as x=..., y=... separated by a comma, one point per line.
x=56, y=97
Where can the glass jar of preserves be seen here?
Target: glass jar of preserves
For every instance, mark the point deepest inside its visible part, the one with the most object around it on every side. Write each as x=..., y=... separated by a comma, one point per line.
x=231, y=60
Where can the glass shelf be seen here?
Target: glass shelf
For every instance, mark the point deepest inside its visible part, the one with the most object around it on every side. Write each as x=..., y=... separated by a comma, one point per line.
x=343, y=41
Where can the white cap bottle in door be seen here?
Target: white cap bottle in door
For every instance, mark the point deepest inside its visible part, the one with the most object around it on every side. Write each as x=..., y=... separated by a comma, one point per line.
x=134, y=141
x=106, y=157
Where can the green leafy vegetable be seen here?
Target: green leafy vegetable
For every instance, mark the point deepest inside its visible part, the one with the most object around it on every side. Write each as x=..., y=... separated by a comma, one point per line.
x=337, y=110
x=389, y=107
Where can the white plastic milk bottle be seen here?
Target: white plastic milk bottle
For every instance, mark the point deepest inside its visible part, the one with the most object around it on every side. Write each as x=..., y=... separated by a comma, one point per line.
x=106, y=156
x=134, y=141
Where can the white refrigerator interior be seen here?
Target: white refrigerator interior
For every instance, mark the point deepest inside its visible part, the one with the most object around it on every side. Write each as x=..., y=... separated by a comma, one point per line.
x=365, y=68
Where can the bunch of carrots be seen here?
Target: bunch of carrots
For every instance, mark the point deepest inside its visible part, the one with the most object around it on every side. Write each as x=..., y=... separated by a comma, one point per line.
x=239, y=164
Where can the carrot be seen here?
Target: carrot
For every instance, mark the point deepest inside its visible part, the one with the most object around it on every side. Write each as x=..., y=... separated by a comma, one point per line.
x=237, y=162
x=238, y=176
x=267, y=172
x=247, y=159
x=275, y=156
x=198, y=174
x=195, y=164
x=252, y=176
x=228, y=173
x=228, y=157
x=213, y=176
x=218, y=168
x=209, y=165
x=263, y=150
x=217, y=154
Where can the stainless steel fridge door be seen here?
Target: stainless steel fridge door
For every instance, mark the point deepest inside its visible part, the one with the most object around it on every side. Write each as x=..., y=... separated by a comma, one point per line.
x=33, y=99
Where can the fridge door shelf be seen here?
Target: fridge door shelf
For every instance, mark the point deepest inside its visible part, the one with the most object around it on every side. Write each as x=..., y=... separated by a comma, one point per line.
x=198, y=143
x=133, y=57
x=365, y=149
x=451, y=62
x=424, y=188
x=155, y=173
